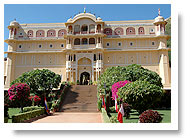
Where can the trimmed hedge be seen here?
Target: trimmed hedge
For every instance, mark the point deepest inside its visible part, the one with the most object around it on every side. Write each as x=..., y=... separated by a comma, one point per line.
x=27, y=109
x=19, y=118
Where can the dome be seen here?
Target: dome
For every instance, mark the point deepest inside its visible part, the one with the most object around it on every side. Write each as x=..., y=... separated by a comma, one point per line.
x=159, y=19
x=84, y=15
x=99, y=18
x=14, y=23
x=70, y=20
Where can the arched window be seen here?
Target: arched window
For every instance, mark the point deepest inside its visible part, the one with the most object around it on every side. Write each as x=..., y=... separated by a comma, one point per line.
x=70, y=29
x=84, y=41
x=74, y=59
x=91, y=41
x=15, y=31
x=30, y=33
x=141, y=30
x=94, y=57
x=40, y=33
x=92, y=28
x=99, y=39
x=84, y=29
x=51, y=33
x=118, y=31
x=77, y=41
x=130, y=31
x=61, y=32
x=108, y=31
x=76, y=29
x=99, y=28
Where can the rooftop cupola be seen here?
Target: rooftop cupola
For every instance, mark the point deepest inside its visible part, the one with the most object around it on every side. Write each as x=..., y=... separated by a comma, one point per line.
x=99, y=18
x=160, y=23
x=13, y=29
x=14, y=23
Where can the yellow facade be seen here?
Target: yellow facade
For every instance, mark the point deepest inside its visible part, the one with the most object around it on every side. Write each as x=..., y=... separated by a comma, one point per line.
x=87, y=44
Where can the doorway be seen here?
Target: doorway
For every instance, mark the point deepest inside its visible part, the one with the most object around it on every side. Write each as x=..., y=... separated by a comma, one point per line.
x=84, y=78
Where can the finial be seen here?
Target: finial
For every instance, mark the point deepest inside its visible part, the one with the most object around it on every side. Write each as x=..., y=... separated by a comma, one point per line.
x=159, y=12
x=15, y=19
x=84, y=10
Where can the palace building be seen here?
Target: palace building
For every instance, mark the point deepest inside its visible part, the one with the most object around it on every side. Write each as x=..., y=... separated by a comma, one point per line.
x=85, y=45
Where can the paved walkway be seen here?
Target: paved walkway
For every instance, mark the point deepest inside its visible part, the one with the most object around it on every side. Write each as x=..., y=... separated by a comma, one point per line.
x=71, y=117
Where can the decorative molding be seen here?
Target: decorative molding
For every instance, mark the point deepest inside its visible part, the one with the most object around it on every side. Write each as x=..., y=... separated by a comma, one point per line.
x=44, y=27
x=126, y=25
x=153, y=64
x=40, y=65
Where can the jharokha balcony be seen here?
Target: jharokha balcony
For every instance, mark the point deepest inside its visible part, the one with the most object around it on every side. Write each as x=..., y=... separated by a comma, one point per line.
x=84, y=32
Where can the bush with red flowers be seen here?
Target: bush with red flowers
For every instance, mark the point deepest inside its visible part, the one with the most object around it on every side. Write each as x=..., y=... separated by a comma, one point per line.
x=35, y=99
x=116, y=86
x=150, y=116
x=19, y=93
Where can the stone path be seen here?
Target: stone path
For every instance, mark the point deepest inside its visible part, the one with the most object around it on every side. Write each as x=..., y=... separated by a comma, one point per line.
x=71, y=117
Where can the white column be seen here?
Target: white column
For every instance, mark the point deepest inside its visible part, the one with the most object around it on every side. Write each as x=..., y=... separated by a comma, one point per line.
x=96, y=75
x=76, y=72
x=72, y=75
x=92, y=70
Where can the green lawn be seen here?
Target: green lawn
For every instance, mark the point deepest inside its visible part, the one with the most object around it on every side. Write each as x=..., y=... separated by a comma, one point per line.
x=11, y=112
x=134, y=116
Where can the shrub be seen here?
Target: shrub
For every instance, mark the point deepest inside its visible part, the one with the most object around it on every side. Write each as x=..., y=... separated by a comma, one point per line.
x=116, y=86
x=127, y=109
x=55, y=106
x=78, y=82
x=141, y=95
x=131, y=73
x=35, y=99
x=150, y=116
x=99, y=104
x=94, y=83
x=112, y=109
x=19, y=92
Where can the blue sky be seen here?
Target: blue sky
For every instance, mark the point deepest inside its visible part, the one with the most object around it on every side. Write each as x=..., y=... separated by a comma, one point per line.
x=58, y=13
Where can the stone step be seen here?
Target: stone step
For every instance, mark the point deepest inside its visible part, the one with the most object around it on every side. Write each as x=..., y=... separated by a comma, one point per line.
x=81, y=98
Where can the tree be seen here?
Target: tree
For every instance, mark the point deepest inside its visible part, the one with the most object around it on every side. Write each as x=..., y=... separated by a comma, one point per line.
x=40, y=80
x=131, y=73
x=19, y=93
x=141, y=95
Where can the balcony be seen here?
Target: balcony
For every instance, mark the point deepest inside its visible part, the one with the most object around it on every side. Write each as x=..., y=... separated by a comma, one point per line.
x=85, y=32
x=87, y=46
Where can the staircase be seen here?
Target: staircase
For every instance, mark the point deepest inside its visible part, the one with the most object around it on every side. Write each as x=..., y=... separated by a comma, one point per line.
x=80, y=98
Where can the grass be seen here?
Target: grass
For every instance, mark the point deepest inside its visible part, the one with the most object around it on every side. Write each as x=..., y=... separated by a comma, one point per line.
x=134, y=116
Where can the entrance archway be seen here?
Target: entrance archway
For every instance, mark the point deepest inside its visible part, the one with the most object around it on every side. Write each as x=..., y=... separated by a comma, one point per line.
x=84, y=78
